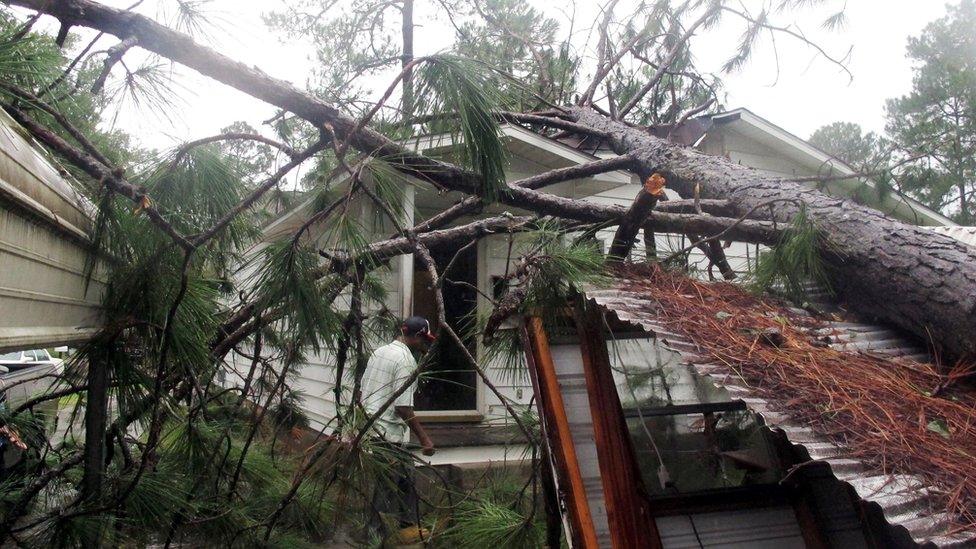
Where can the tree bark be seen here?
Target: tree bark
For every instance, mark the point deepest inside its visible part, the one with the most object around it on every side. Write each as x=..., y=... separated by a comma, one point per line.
x=630, y=225
x=716, y=254
x=915, y=279
x=911, y=277
x=96, y=419
x=650, y=246
x=406, y=31
x=183, y=49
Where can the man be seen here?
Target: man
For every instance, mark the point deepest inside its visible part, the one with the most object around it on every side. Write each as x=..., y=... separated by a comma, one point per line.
x=387, y=370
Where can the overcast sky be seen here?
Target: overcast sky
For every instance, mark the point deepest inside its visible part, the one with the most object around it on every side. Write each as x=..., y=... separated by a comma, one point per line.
x=800, y=92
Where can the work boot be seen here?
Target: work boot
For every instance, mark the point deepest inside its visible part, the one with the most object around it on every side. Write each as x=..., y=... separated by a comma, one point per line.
x=412, y=535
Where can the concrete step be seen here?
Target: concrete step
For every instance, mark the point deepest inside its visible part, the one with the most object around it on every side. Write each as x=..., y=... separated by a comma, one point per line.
x=878, y=487
x=907, y=505
x=800, y=435
x=875, y=345
x=714, y=370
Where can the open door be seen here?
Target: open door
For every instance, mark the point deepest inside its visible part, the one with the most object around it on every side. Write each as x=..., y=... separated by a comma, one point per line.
x=451, y=383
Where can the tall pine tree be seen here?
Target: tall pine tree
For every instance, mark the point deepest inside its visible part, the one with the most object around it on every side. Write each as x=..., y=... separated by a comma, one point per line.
x=939, y=115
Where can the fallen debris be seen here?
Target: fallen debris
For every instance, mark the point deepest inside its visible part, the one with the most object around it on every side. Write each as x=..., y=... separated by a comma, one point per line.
x=896, y=415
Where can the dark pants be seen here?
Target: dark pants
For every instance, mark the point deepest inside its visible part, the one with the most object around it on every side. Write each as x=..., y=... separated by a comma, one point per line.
x=395, y=498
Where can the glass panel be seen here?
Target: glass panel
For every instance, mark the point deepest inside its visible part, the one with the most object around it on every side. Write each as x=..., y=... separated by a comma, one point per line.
x=12, y=356
x=684, y=453
x=689, y=436
x=648, y=374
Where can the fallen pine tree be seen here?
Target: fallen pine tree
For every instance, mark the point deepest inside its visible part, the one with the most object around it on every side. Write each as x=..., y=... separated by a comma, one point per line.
x=913, y=278
x=181, y=222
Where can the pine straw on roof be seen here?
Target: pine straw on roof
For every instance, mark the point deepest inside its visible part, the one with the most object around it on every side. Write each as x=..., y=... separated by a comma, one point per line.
x=883, y=411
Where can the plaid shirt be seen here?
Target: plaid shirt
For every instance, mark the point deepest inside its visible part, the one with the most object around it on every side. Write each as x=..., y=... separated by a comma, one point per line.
x=389, y=367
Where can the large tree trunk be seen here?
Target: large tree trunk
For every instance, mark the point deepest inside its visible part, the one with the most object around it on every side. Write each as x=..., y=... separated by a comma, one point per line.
x=912, y=277
x=406, y=32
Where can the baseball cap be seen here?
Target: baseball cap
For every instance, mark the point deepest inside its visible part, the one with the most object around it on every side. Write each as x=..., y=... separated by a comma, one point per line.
x=417, y=326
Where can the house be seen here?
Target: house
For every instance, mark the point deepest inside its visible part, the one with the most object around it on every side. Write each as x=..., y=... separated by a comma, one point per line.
x=467, y=400
x=738, y=134
x=470, y=425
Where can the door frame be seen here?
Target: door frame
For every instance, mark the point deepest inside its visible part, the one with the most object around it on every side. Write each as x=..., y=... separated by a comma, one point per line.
x=482, y=306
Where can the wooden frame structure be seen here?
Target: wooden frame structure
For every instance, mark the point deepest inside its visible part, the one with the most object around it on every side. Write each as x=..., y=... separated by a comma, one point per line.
x=628, y=509
x=630, y=521
x=555, y=428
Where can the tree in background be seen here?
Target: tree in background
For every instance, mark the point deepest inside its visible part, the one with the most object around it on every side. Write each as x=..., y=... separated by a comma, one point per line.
x=938, y=117
x=848, y=142
x=930, y=132
x=867, y=153
x=520, y=42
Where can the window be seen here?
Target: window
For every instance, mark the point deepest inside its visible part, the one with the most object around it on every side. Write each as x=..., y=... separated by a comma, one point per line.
x=688, y=436
x=499, y=287
x=687, y=449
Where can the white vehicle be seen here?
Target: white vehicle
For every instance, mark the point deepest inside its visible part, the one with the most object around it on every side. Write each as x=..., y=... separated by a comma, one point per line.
x=20, y=360
x=26, y=373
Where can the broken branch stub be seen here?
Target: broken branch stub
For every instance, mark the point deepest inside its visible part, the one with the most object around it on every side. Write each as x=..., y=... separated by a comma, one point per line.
x=630, y=224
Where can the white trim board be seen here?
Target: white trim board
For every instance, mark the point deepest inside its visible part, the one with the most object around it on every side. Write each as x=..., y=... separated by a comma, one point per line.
x=756, y=127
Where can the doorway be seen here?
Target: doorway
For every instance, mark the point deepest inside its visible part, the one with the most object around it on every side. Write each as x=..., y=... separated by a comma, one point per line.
x=450, y=383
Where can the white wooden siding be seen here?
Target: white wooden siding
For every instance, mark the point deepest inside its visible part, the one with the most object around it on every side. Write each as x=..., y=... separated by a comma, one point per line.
x=514, y=385
x=315, y=379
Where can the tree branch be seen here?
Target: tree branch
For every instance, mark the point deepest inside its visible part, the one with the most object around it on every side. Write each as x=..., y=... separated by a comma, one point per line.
x=100, y=172
x=727, y=230
x=630, y=223
x=113, y=56
x=65, y=124
x=863, y=174
x=259, y=192
x=550, y=122
x=181, y=48
x=623, y=162
x=603, y=66
x=669, y=59
x=186, y=147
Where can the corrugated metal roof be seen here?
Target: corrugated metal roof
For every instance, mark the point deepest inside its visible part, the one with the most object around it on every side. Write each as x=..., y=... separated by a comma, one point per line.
x=962, y=234
x=905, y=500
